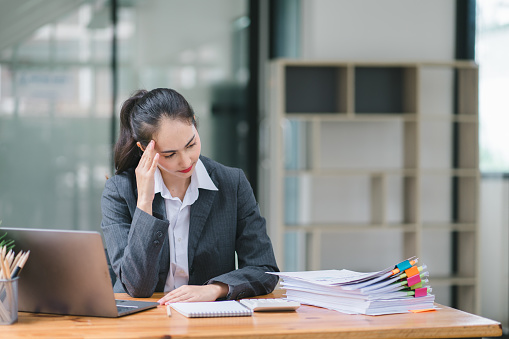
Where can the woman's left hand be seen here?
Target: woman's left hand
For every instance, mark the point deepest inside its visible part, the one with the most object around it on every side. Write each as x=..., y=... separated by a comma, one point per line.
x=195, y=293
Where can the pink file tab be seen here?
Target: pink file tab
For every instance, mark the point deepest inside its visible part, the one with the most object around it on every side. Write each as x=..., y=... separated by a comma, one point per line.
x=413, y=280
x=421, y=292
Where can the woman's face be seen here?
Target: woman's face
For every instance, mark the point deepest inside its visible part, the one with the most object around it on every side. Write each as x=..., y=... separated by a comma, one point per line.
x=179, y=147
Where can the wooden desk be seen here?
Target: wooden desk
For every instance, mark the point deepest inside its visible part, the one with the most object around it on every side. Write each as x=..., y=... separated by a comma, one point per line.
x=306, y=322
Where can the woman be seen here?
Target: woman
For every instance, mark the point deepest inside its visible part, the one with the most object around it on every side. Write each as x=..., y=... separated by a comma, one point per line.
x=173, y=219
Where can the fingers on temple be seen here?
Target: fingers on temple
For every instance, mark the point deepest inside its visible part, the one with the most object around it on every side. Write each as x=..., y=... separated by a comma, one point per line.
x=154, y=162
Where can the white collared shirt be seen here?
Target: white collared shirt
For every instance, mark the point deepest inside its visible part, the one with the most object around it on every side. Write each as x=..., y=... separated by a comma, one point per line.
x=178, y=214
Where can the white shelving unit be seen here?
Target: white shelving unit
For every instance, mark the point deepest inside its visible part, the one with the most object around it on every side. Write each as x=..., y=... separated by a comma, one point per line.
x=352, y=147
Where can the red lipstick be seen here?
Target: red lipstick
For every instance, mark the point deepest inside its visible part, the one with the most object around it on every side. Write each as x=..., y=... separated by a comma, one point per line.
x=187, y=170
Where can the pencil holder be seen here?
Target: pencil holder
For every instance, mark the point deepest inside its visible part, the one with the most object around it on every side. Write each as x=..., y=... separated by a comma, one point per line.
x=8, y=301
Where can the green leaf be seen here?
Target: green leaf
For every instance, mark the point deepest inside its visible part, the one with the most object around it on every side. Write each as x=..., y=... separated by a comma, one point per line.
x=6, y=242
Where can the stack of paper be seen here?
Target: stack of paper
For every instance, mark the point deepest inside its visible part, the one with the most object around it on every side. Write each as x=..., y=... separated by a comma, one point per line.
x=398, y=289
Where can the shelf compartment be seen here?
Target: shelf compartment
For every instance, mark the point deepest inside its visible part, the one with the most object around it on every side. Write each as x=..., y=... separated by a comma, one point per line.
x=438, y=137
x=468, y=136
x=411, y=212
x=436, y=91
x=315, y=89
x=384, y=144
x=385, y=89
x=448, y=197
x=468, y=83
x=435, y=199
x=435, y=140
x=466, y=248
x=377, y=242
x=466, y=191
x=410, y=144
x=376, y=198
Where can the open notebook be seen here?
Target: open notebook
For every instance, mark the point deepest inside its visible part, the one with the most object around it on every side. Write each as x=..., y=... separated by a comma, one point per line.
x=227, y=308
x=67, y=273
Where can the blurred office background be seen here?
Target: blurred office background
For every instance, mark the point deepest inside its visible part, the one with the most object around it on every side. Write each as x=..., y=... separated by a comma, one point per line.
x=67, y=65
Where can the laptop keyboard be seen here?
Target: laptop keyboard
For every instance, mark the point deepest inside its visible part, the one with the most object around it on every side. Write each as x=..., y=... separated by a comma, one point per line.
x=130, y=306
x=123, y=309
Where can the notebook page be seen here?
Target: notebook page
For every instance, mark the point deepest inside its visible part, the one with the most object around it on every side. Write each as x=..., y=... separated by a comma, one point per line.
x=228, y=308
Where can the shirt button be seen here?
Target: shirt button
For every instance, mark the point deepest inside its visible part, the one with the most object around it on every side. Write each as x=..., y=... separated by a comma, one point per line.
x=180, y=239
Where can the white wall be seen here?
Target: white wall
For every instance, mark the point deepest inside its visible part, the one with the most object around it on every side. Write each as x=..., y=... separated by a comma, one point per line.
x=378, y=30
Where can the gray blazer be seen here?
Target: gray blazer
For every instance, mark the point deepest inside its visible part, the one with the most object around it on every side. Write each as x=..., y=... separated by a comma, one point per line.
x=222, y=222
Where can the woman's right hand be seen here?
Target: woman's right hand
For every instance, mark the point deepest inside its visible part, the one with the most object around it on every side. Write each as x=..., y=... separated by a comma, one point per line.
x=145, y=178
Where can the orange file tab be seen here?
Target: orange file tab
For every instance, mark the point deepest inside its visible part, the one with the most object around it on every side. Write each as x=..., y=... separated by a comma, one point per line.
x=412, y=271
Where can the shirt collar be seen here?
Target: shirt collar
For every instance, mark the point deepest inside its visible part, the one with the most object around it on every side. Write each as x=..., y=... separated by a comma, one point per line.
x=199, y=179
x=202, y=177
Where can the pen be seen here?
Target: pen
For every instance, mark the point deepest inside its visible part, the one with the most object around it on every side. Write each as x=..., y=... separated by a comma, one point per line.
x=168, y=310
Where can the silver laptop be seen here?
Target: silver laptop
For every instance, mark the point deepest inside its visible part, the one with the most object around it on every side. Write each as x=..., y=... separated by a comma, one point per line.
x=67, y=273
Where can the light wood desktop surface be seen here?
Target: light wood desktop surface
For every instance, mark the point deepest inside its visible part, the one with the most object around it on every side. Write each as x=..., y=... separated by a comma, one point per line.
x=306, y=322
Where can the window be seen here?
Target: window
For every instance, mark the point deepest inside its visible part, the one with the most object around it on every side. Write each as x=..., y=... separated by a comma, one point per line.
x=492, y=49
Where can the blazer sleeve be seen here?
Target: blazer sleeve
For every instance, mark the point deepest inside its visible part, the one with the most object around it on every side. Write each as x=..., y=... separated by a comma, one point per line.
x=134, y=241
x=253, y=247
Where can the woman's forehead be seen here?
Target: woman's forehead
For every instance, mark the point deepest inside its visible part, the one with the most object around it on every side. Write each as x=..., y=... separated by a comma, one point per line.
x=173, y=134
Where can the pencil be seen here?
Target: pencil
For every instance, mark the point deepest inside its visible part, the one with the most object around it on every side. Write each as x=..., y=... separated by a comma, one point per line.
x=16, y=259
x=5, y=268
x=10, y=257
x=20, y=265
x=168, y=310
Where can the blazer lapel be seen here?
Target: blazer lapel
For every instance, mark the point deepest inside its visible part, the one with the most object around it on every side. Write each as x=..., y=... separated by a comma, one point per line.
x=200, y=211
x=159, y=211
x=158, y=207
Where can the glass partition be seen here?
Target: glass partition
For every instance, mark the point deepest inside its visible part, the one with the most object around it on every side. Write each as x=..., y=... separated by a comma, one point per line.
x=54, y=123
x=56, y=88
